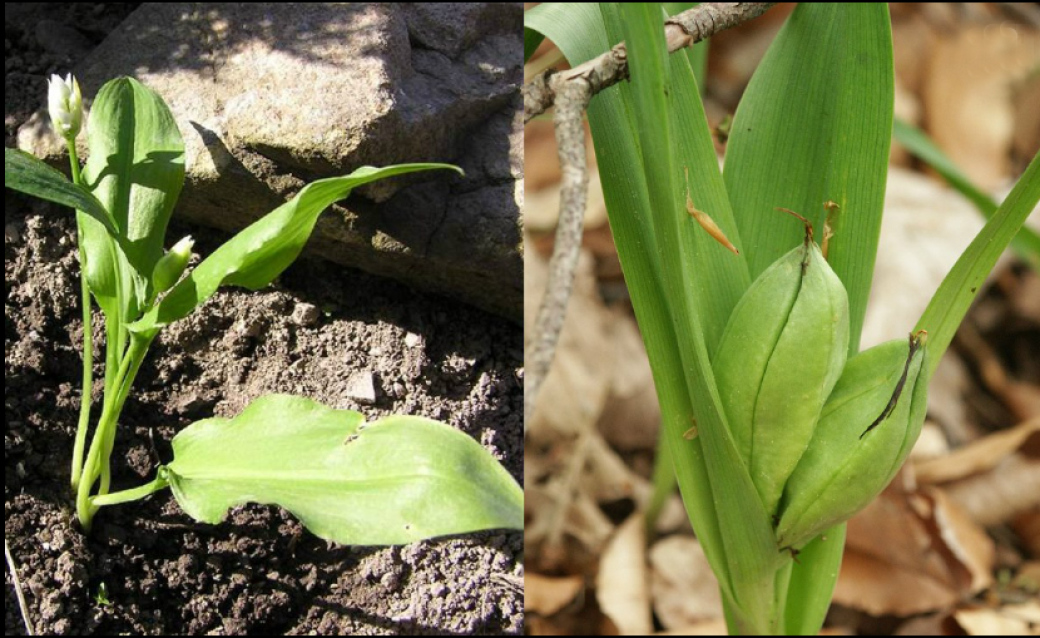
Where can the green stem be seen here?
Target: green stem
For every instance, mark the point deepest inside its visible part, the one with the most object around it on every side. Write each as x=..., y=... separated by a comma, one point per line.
x=104, y=436
x=135, y=494
x=664, y=483
x=88, y=339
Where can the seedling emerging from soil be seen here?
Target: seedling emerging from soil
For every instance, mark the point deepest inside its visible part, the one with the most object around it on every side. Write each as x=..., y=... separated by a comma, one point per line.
x=393, y=481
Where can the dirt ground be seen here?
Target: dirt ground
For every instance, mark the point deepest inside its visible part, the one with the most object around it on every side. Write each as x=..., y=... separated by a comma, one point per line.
x=148, y=568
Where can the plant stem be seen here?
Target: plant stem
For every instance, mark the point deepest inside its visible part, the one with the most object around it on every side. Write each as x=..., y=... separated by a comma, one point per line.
x=104, y=436
x=664, y=483
x=135, y=494
x=88, y=339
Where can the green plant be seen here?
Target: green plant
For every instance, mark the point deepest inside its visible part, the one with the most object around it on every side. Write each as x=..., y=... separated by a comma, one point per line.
x=795, y=429
x=392, y=481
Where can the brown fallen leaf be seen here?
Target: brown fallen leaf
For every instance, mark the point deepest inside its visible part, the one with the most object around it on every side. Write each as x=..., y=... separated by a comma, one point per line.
x=929, y=625
x=684, y=588
x=631, y=417
x=1027, y=579
x=1027, y=124
x=1027, y=526
x=715, y=627
x=912, y=552
x=623, y=583
x=996, y=497
x=575, y=389
x=994, y=478
x=1008, y=620
x=979, y=456
x=968, y=96
x=546, y=595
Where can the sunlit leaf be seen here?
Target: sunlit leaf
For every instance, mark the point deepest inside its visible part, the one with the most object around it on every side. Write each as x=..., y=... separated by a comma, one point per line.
x=261, y=251
x=393, y=481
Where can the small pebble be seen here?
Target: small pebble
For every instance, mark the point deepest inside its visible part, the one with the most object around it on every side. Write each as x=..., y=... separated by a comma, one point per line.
x=305, y=314
x=362, y=388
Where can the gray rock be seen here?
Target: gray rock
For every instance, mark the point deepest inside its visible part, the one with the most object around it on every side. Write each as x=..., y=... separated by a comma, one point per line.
x=60, y=39
x=305, y=314
x=270, y=96
x=362, y=388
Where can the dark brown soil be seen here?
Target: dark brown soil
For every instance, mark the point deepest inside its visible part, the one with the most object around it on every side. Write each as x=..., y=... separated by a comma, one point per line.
x=312, y=333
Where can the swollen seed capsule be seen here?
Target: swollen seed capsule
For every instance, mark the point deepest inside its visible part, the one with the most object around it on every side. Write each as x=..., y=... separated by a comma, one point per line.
x=866, y=431
x=780, y=355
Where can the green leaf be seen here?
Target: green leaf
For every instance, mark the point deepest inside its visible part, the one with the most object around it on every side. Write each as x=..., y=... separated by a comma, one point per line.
x=1026, y=243
x=579, y=31
x=815, y=124
x=261, y=251
x=394, y=481
x=27, y=174
x=959, y=288
x=747, y=535
x=136, y=169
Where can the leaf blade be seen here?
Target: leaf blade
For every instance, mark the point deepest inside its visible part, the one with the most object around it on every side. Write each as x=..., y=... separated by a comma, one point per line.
x=394, y=481
x=27, y=174
x=136, y=169
x=961, y=285
x=260, y=252
x=815, y=125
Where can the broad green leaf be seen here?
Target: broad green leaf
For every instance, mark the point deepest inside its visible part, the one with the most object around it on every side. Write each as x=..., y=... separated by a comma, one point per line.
x=261, y=251
x=1026, y=243
x=136, y=169
x=959, y=288
x=814, y=125
x=27, y=174
x=393, y=481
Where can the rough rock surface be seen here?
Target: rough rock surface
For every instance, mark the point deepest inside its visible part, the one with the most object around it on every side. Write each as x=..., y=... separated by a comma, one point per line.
x=270, y=96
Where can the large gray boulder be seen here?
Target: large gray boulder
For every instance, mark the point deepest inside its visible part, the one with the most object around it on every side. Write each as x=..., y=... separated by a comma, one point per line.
x=269, y=96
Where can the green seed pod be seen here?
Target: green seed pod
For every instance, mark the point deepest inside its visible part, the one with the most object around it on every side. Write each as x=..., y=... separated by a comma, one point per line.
x=866, y=431
x=780, y=355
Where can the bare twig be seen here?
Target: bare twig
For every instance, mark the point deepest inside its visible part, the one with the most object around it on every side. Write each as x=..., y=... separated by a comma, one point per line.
x=570, y=92
x=571, y=100
x=19, y=594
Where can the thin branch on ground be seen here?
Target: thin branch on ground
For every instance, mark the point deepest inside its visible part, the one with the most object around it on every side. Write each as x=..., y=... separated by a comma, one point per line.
x=570, y=92
x=19, y=594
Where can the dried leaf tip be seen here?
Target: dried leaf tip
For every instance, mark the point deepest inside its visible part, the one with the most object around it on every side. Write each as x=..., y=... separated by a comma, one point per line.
x=705, y=220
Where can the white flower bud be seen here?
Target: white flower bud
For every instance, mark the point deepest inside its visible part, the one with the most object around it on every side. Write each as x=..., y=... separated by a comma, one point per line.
x=65, y=103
